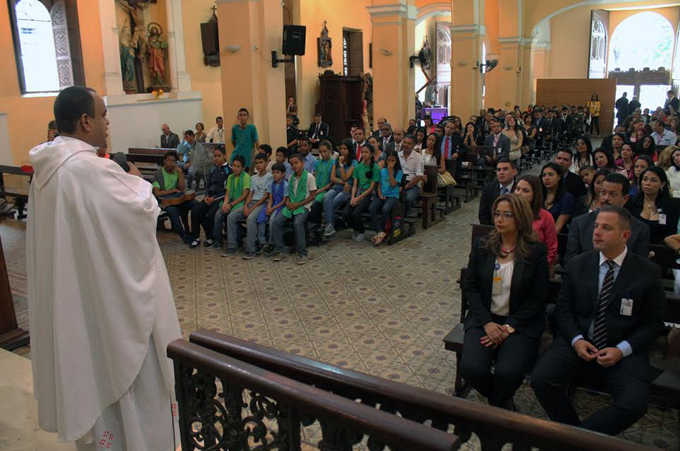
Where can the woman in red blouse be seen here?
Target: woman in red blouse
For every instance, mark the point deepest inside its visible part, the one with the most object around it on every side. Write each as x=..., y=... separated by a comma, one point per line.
x=530, y=189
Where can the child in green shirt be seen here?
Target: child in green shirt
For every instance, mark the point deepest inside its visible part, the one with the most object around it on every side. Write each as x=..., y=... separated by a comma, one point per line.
x=366, y=176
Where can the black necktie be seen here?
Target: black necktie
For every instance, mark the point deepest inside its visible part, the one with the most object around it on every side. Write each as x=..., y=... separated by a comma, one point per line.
x=600, y=334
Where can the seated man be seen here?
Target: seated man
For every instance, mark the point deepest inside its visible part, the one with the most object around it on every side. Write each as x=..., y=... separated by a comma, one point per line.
x=195, y=159
x=614, y=192
x=318, y=131
x=504, y=184
x=309, y=160
x=611, y=308
x=168, y=182
x=412, y=165
x=301, y=194
x=572, y=182
x=169, y=140
x=499, y=142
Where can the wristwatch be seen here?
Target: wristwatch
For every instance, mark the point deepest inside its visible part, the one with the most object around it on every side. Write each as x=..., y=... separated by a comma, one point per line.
x=510, y=329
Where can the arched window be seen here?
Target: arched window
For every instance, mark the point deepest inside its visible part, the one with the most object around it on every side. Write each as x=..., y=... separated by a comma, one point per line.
x=598, y=48
x=45, y=34
x=643, y=40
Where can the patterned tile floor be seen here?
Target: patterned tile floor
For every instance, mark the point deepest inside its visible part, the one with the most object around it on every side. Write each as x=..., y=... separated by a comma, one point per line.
x=381, y=311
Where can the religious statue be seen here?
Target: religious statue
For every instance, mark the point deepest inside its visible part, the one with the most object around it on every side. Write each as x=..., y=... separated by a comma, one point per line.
x=157, y=47
x=127, y=59
x=140, y=40
x=325, y=46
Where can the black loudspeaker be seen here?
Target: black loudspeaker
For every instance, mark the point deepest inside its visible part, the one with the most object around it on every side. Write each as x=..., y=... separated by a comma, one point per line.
x=294, y=39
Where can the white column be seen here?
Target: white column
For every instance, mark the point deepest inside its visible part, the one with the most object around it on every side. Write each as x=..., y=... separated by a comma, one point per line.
x=179, y=78
x=113, y=80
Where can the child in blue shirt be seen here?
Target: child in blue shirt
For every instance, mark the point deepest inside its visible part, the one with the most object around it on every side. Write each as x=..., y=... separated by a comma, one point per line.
x=278, y=196
x=388, y=195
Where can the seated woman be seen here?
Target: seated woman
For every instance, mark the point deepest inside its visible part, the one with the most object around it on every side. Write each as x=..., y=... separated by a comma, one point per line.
x=341, y=191
x=513, y=133
x=556, y=199
x=603, y=159
x=584, y=155
x=627, y=161
x=648, y=147
x=387, y=196
x=506, y=287
x=654, y=205
x=432, y=156
x=673, y=173
x=665, y=162
x=379, y=156
x=529, y=187
x=641, y=163
x=591, y=201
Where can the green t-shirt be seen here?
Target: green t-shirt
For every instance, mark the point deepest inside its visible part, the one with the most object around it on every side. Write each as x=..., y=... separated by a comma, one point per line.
x=365, y=175
x=235, y=187
x=243, y=141
x=169, y=181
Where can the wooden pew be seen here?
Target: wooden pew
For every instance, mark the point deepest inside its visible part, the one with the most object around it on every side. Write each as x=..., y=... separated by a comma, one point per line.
x=428, y=196
x=211, y=389
x=466, y=177
x=20, y=198
x=412, y=403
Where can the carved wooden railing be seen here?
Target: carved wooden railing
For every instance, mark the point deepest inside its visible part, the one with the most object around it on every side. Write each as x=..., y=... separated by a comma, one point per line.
x=493, y=426
x=226, y=404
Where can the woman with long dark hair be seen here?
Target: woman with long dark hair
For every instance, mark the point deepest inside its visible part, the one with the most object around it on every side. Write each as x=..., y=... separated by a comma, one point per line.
x=584, y=155
x=641, y=163
x=603, y=159
x=506, y=285
x=673, y=173
x=654, y=205
x=591, y=201
x=530, y=188
x=556, y=199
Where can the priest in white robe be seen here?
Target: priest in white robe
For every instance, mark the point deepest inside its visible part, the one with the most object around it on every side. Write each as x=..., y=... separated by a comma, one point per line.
x=100, y=302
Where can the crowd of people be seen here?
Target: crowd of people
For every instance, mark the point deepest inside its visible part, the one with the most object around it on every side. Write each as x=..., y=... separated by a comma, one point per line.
x=613, y=202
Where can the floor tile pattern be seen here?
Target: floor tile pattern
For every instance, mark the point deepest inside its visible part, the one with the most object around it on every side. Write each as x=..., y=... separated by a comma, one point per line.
x=383, y=311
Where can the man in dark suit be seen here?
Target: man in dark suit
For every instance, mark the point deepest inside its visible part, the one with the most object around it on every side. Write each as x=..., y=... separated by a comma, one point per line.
x=610, y=309
x=397, y=140
x=386, y=136
x=169, y=140
x=451, y=146
x=318, y=131
x=504, y=184
x=671, y=102
x=378, y=129
x=499, y=142
x=573, y=183
x=614, y=191
x=291, y=135
x=622, y=108
x=484, y=122
x=633, y=105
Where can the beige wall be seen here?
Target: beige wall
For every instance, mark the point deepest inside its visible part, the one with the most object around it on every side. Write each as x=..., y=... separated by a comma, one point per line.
x=28, y=116
x=570, y=37
x=339, y=14
x=204, y=78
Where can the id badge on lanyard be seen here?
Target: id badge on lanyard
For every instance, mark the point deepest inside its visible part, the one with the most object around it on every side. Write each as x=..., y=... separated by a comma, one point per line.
x=497, y=285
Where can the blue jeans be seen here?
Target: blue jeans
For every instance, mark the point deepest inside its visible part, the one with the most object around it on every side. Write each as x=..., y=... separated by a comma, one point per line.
x=334, y=199
x=384, y=208
x=251, y=225
x=299, y=225
x=179, y=217
x=410, y=197
x=191, y=175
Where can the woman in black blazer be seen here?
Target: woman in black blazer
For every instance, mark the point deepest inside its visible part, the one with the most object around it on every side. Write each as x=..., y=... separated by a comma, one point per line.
x=654, y=206
x=506, y=287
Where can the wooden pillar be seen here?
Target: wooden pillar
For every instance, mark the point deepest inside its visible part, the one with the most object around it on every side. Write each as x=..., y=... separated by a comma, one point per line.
x=393, y=44
x=11, y=336
x=249, y=31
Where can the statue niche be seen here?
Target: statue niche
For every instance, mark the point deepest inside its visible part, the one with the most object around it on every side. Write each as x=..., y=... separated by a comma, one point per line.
x=142, y=50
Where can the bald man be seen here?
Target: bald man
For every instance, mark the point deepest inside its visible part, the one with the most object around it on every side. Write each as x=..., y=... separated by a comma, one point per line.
x=398, y=139
x=169, y=140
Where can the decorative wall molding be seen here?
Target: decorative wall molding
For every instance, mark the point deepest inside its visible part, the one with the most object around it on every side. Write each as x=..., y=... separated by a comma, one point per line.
x=399, y=9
